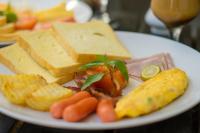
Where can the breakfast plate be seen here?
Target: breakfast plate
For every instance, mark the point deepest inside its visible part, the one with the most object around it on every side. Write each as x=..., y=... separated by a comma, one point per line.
x=140, y=45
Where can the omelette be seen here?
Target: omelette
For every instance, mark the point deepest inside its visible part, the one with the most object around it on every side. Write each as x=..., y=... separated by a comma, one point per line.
x=153, y=94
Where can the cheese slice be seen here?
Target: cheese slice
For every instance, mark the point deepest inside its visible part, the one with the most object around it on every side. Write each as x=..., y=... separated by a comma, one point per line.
x=84, y=41
x=16, y=59
x=43, y=47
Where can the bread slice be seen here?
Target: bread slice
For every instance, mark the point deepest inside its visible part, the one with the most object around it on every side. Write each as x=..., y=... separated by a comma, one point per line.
x=43, y=47
x=84, y=41
x=16, y=59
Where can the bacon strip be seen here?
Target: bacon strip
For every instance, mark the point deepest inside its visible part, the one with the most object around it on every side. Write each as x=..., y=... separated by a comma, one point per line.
x=135, y=66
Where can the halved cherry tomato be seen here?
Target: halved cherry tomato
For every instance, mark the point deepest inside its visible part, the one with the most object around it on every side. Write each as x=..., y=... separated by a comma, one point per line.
x=111, y=83
x=118, y=77
x=26, y=23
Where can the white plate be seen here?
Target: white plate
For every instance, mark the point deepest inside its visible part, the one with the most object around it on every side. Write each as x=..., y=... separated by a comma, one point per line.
x=140, y=45
x=82, y=11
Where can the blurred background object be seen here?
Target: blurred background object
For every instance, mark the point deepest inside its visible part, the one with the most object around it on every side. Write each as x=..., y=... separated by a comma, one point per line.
x=126, y=15
x=175, y=14
x=18, y=15
x=156, y=26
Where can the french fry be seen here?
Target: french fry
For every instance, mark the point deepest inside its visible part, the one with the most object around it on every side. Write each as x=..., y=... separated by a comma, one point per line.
x=44, y=97
x=16, y=88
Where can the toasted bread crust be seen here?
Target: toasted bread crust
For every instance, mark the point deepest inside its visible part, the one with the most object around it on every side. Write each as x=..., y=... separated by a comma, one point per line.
x=13, y=67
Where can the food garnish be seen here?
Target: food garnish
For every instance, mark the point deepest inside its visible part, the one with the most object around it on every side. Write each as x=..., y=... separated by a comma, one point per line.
x=92, y=79
x=104, y=75
x=10, y=15
x=149, y=72
x=103, y=60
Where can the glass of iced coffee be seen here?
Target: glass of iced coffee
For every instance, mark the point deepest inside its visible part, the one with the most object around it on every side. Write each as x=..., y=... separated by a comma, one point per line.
x=175, y=13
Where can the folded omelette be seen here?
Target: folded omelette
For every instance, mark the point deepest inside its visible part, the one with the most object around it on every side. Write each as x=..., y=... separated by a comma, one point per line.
x=153, y=94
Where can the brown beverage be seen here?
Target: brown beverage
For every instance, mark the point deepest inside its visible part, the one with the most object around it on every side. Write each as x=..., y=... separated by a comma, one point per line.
x=175, y=12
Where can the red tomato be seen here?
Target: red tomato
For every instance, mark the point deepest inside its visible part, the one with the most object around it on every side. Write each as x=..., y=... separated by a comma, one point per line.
x=107, y=84
x=26, y=23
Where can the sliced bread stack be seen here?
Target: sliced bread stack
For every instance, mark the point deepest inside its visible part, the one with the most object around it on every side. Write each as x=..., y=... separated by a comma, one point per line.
x=84, y=41
x=56, y=54
x=19, y=61
x=43, y=47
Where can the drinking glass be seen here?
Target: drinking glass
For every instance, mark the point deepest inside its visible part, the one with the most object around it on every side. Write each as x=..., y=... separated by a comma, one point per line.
x=175, y=13
x=101, y=10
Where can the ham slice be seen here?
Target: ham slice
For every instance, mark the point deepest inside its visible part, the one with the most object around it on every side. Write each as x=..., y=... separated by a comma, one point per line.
x=135, y=66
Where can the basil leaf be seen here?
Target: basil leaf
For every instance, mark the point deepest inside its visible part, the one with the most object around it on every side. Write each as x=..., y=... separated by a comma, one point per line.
x=121, y=66
x=11, y=17
x=2, y=13
x=92, y=79
x=102, y=58
x=91, y=64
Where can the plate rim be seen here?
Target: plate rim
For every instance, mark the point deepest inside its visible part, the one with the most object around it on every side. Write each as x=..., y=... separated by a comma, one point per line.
x=103, y=126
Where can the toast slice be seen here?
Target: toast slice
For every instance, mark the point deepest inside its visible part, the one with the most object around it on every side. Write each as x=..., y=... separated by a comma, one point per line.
x=17, y=60
x=84, y=41
x=43, y=47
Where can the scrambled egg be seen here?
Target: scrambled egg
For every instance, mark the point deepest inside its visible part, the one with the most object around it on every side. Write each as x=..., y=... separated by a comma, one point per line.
x=153, y=94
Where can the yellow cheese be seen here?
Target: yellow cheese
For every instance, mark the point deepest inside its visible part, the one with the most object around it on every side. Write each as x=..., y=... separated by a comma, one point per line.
x=43, y=47
x=84, y=41
x=16, y=59
x=53, y=13
x=153, y=94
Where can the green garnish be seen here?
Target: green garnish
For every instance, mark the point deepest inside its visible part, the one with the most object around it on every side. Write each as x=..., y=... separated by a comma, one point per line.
x=103, y=60
x=1, y=13
x=149, y=100
x=91, y=64
x=121, y=66
x=11, y=17
x=92, y=79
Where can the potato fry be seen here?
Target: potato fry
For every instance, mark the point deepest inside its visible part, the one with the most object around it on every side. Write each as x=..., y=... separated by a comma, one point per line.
x=16, y=88
x=44, y=97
